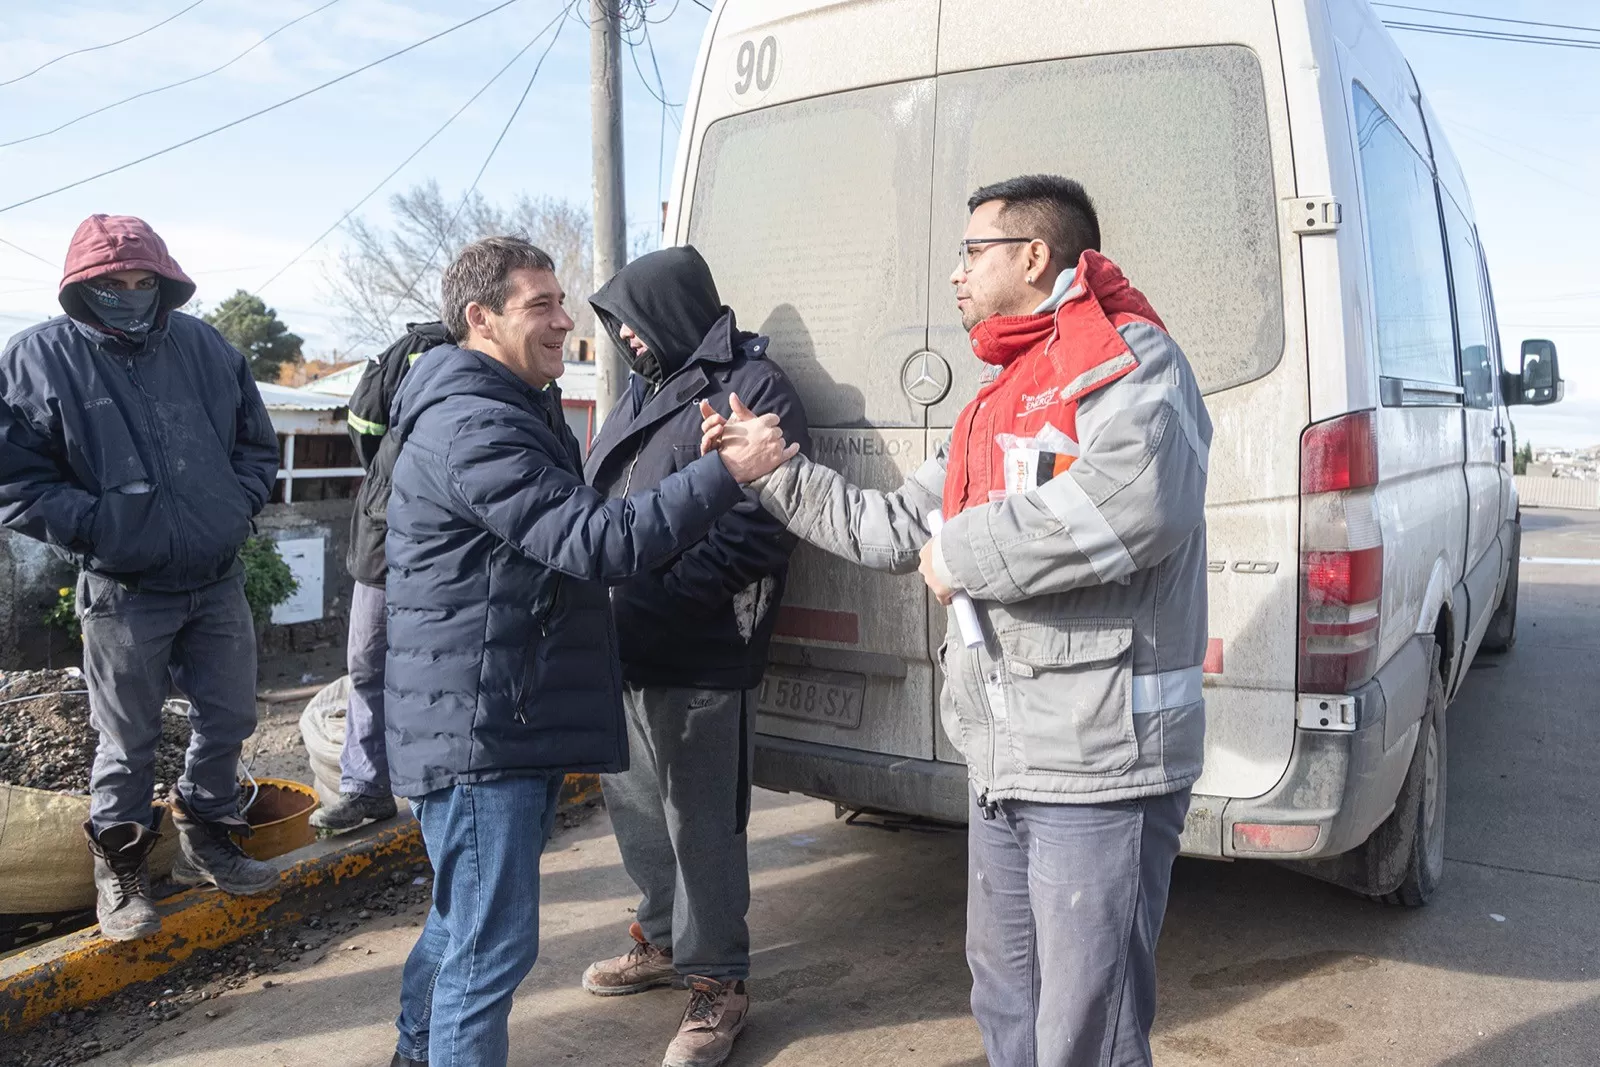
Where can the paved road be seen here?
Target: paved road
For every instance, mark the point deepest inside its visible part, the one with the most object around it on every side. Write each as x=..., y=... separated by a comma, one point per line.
x=860, y=929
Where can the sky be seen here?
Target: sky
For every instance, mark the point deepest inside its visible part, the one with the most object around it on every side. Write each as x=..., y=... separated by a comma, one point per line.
x=238, y=206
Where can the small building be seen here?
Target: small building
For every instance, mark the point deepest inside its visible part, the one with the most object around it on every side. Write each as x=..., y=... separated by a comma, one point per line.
x=317, y=459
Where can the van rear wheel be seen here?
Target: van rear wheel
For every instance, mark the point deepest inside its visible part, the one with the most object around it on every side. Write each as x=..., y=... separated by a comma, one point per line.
x=1501, y=635
x=1405, y=853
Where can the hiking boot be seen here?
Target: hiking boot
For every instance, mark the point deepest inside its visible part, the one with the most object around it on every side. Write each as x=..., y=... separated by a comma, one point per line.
x=353, y=809
x=207, y=852
x=122, y=880
x=714, y=1018
x=402, y=1061
x=644, y=967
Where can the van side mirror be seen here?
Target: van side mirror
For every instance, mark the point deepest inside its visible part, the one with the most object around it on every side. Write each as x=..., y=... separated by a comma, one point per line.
x=1540, y=379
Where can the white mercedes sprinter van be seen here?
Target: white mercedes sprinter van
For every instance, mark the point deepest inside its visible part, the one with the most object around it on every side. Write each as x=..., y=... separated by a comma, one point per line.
x=1269, y=174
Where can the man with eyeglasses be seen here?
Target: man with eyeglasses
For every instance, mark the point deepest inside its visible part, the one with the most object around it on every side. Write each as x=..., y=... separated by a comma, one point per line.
x=136, y=445
x=1068, y=506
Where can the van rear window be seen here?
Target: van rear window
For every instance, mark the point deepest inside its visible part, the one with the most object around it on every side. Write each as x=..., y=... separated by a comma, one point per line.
x=833, y=222
x=1172, y=145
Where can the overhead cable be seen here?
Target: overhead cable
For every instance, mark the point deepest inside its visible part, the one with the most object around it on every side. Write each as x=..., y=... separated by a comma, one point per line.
x=414, y=153
x=1494, y=35
x=1489, y=18
x=98, y=47
x=257, y=114
x=466, y=197
x=169, y=85
x=24, y=251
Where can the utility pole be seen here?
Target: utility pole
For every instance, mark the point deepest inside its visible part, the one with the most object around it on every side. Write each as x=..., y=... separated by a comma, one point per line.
x=610, y=217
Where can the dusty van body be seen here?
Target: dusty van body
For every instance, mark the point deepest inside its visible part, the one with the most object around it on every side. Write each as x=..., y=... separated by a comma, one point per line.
x=1270, y=176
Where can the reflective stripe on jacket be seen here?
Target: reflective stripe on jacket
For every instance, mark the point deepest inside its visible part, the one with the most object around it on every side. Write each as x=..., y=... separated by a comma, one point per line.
x=1091, y=583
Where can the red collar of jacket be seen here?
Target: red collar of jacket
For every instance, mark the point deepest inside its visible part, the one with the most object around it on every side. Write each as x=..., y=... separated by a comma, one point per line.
x=1049, y=361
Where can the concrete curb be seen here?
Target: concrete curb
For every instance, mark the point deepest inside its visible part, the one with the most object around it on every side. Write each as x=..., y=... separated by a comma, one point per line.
x=82, y=968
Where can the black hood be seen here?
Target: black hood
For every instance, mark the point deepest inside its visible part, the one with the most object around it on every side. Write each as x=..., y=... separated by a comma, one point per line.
x=669, y=299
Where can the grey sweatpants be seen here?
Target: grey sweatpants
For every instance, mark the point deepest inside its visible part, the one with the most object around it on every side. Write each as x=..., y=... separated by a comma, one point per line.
x=364, y=761
x=136, y=647
x=679, y=813
x=1064, y=908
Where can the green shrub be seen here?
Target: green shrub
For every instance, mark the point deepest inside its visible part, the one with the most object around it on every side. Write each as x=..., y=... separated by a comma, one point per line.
x=63, y=614
x=268, y=581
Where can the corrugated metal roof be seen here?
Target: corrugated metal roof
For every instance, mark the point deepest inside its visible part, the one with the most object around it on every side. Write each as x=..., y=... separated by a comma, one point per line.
x=341, y=383
x=283, y=398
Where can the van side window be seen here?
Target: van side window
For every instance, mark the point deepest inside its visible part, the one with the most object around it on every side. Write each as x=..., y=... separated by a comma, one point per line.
x=1472, y=334
x=1411, y=290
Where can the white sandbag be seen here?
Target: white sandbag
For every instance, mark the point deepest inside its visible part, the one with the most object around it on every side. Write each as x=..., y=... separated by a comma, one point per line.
x=322, y=728
x=45, y=864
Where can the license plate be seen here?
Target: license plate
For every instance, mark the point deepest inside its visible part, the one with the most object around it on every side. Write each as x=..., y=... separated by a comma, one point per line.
x=828, y=697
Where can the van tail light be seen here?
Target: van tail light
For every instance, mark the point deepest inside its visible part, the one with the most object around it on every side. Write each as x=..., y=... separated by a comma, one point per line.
x=1341, y=555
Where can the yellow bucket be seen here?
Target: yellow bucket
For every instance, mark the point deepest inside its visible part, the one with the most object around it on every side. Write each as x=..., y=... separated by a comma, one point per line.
x=280, y=818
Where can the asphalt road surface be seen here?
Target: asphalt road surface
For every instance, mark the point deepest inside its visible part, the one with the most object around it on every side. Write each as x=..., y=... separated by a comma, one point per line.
x=859, y=931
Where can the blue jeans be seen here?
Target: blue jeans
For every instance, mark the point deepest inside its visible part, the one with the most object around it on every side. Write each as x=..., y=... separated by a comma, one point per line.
x=1064, y=907
x=482, y=936
x=364, y=761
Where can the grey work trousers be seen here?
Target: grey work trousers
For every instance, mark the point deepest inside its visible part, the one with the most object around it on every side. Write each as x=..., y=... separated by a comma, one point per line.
x=679, y=813
x=364, y=761
x=1064, y=908
x=136, y=647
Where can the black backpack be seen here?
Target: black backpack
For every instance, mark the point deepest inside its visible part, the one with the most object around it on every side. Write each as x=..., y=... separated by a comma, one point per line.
x=378, y=449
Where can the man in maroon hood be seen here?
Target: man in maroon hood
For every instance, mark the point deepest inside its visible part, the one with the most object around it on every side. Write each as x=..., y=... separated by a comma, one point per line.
x=136, y=444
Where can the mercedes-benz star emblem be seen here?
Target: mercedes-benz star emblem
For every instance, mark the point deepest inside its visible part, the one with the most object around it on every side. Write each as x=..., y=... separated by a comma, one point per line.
x=925, y=378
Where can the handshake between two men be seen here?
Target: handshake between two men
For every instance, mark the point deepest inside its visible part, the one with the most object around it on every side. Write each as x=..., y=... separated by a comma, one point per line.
x=752, y=447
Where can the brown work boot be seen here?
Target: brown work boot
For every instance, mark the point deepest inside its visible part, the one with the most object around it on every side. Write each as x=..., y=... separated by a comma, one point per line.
x=716, y=1013
x=644, y=967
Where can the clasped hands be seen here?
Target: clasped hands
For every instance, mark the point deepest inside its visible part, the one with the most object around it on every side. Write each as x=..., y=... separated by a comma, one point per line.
x=752, y=447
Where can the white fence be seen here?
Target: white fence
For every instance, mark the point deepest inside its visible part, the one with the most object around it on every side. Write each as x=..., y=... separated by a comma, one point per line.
x=1558, y=493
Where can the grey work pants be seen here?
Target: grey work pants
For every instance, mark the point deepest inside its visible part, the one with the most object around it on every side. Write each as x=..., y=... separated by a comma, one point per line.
x=364, y=761
x=1064, y=908
x=136, y=647
x=679, y=813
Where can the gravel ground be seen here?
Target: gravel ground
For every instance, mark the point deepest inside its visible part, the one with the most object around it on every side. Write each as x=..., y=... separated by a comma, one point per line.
x=47, y=743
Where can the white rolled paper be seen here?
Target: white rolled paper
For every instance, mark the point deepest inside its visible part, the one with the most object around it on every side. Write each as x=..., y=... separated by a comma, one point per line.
x=960, y=603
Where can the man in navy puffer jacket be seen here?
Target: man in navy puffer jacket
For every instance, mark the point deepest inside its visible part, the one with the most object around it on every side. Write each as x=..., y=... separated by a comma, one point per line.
x=502, y=674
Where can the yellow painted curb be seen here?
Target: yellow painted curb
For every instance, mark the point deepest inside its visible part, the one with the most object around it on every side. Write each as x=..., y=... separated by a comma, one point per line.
x=79, y=969
x=82, y=968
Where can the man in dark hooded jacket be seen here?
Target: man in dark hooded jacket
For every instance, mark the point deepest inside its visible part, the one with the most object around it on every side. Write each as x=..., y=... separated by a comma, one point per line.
x=136, y=444
x=693, y=633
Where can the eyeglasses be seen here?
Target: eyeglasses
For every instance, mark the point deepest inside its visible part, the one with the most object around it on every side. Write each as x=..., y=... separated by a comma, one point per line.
x=970, y=243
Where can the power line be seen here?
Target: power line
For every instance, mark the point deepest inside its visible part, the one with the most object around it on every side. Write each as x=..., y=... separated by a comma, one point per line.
x=444, y=232
x=1490, y=18
x=1494, y=35
x=98, y=47
x=257, y=114
x=24, y=251
x=170, y=85
x=702, y=3
x=414, y=153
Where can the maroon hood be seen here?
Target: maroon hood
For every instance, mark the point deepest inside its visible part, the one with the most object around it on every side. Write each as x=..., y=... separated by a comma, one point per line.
x=105, y=244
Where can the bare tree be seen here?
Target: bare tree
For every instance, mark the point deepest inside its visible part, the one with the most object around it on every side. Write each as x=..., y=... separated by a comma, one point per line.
x=386, y=277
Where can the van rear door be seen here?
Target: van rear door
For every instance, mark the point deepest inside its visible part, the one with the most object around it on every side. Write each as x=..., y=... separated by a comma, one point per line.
x=809, y=197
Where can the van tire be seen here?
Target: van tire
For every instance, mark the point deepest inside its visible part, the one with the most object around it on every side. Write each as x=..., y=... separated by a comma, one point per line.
x=1502, y=633
x=1406, y=851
